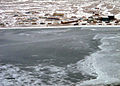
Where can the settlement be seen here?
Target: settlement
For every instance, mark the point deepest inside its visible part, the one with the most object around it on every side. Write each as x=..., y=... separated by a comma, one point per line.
x=45, y=13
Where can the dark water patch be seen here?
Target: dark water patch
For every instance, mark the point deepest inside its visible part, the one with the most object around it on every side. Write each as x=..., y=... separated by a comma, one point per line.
x=62, y=50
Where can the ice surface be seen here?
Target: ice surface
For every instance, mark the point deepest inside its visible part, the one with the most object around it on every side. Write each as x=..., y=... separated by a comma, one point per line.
x=105, y=64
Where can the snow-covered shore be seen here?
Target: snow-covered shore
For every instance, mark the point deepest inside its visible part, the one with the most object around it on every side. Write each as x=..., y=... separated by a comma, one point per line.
x=81, y=26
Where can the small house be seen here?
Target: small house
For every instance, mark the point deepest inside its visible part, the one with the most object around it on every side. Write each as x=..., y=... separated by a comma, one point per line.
x=2, y=24
x=67, y=22
x=34, y=23
x=52, y=18
x=90, y=18
x=42, y=23
x=27, y=12
x=58, y=14
x=83, y=23
x=96, y=13
x=20, y=23
x=97, y=8
x=76, y=24
x=47, y=14
x=104, y=18
x=111, y=17
x=73, y=17
x=16, y=15
x=117, y=21
x=33, y=19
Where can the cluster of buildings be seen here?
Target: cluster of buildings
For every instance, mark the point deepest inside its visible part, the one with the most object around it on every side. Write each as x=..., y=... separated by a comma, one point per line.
x=32, y=18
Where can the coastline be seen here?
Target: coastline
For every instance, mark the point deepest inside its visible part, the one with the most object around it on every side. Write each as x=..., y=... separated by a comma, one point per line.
x=60, y=27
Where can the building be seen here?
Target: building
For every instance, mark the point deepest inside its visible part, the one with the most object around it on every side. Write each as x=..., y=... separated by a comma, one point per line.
x=111, y=17
x=104, y=18
x=67, y=22
x=52, y=19
x=58, y=14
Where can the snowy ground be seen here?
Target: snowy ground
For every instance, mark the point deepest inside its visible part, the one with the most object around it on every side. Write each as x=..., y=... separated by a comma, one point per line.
x=70, y=8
